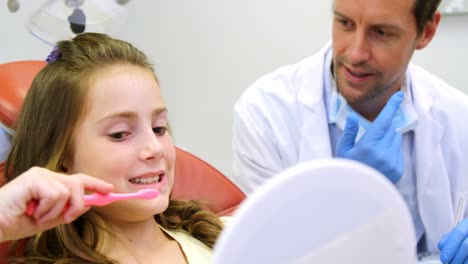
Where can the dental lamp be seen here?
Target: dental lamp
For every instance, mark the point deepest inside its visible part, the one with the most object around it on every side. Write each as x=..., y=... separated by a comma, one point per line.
x=62, y=19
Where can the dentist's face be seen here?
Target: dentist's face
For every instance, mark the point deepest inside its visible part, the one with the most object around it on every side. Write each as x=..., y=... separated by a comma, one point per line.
x=373, y=41
x=123, y=139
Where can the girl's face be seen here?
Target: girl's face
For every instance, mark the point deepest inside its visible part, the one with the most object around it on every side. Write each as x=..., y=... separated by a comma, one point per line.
x=123, y=139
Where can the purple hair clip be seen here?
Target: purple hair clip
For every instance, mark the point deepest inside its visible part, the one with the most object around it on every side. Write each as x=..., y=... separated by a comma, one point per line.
x=54, y=55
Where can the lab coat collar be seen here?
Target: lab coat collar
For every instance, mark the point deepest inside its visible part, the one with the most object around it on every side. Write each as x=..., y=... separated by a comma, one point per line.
x=311, y=96
x=423, y=100
x=311, y=93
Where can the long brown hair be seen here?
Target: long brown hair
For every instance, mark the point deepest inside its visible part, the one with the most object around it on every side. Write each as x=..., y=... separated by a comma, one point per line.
x=52, y=108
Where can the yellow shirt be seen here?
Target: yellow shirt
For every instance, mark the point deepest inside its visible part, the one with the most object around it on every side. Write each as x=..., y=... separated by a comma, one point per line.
x=195, y=251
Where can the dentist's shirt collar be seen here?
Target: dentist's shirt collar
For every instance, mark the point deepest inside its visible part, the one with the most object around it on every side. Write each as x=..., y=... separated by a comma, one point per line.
x=338, y=109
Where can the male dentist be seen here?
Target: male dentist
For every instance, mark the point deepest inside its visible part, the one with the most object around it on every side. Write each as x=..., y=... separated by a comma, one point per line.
x=359, y=98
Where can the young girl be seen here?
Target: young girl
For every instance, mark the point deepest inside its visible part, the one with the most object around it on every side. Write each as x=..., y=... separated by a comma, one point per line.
x=96, y=109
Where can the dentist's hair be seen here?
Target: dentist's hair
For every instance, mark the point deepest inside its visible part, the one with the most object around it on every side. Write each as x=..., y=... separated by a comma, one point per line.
x=424, y=11
x=54, y=105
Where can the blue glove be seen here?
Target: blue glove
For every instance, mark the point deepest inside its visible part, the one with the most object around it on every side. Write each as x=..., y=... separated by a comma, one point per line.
x=380, y=146
x=454, y=245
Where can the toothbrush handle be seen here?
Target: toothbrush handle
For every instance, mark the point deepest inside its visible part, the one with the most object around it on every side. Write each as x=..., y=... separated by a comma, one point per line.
x=32, y=205
x=89, y=200
x=99, y=199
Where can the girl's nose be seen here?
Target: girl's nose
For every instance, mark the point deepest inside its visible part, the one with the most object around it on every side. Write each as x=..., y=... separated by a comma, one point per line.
x=151, y=147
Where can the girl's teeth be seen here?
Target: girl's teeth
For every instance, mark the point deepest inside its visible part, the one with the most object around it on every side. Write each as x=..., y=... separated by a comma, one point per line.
x=145, y=180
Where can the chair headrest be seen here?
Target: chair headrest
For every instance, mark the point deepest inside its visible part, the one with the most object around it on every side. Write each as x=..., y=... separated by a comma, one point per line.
x=15, y=80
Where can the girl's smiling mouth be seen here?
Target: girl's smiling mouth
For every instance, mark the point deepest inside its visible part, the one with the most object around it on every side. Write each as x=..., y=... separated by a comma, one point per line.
x=148, y=178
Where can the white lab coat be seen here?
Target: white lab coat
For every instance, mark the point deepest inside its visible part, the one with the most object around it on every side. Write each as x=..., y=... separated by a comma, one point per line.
x=281, y=120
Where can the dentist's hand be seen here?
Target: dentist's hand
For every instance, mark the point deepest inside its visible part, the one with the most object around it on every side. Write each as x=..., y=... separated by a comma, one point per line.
x=454, y=245
x=380, y=146
x=60, y=200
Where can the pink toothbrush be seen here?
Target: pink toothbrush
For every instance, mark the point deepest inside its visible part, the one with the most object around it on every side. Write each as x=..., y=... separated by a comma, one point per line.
x=100, y=199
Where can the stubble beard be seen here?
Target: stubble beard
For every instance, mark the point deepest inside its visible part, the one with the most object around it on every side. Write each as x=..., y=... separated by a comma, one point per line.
x=368, y=96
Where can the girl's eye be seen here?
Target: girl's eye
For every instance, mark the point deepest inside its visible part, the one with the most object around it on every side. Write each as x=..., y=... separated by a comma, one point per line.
x=118, y=136
x=159, y=131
